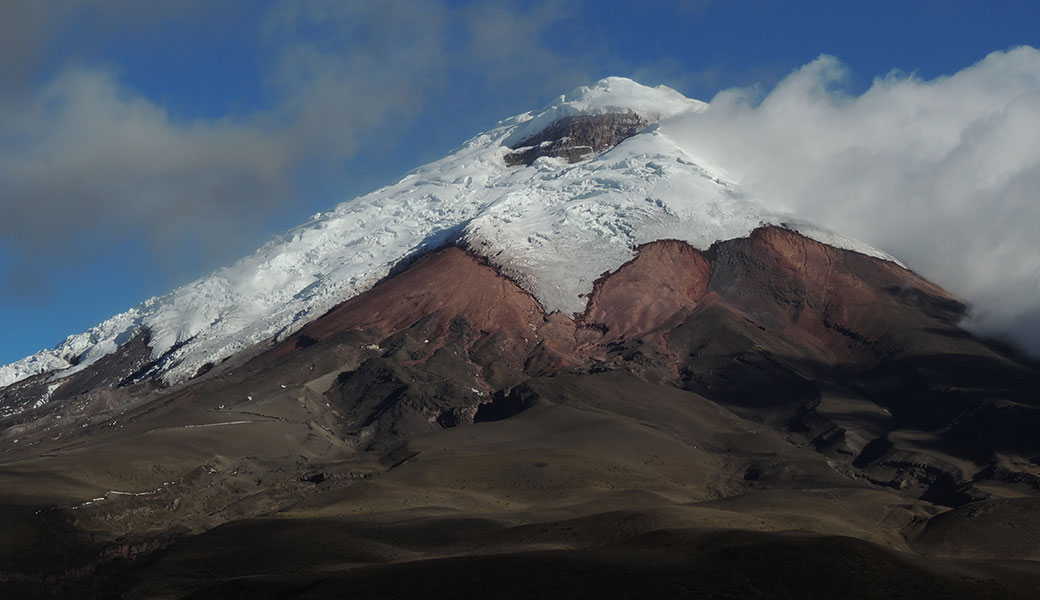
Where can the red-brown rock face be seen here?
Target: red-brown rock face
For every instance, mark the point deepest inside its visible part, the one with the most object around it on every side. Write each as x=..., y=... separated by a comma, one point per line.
x=448, y=284
x=664, y=282
x=833, y=306
x=840, y=307
x=751, y=322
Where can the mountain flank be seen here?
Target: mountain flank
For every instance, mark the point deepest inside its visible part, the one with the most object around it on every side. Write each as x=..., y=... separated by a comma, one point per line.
x=770, y=396
x=566, y=360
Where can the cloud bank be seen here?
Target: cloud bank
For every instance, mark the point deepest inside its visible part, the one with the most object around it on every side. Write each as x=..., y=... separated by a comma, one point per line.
x=944, y=174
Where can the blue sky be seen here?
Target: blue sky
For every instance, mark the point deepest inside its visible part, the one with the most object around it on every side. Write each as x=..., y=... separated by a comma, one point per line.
x=144, y=144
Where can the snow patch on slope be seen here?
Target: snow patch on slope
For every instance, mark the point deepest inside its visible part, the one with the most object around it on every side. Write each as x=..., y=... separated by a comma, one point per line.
x=568, y=224
x=553, y=226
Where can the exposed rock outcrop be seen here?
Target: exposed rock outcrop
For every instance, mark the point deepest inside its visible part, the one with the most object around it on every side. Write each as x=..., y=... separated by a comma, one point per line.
x=757, y=324
x=768, y=377
x=574, y=138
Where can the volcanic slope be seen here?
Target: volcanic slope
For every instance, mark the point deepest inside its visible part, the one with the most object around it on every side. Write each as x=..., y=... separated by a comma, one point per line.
x=770, y=416
x=604, y=175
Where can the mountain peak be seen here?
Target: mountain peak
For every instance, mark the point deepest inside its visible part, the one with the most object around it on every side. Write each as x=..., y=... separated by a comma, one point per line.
x=551, y=221
x=608, y=95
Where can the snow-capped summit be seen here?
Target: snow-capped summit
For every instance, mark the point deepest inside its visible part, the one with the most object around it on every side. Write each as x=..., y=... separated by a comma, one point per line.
x=608, y=95
x=551, y=225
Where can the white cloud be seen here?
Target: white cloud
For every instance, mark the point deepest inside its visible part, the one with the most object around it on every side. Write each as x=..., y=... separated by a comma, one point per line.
x=943, y=173
x=84, y=157
x=88, y=151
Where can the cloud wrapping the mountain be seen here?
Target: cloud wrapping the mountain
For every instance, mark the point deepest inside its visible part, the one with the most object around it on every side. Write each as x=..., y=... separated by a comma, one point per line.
x=944, y=174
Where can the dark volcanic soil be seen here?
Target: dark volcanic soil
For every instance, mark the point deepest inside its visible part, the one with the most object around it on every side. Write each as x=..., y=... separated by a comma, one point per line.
x=770, y=417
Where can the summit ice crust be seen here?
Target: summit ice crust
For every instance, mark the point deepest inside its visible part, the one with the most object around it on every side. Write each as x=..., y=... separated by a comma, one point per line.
x=609, y=95
x=554, y=227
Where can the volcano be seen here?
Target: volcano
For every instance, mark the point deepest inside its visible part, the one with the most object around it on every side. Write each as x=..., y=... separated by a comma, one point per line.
x=568, y=359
